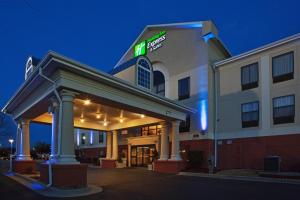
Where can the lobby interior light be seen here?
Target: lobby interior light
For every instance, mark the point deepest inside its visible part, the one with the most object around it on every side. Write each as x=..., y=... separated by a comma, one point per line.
x=87, y=102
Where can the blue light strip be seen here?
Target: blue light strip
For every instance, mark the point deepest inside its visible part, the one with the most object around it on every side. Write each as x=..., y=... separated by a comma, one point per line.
x=208, y=36
x=91, y=137
x=78, y=137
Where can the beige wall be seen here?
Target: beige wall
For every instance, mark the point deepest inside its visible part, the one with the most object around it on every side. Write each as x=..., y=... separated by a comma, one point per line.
x=231, y=96
x=184, y=54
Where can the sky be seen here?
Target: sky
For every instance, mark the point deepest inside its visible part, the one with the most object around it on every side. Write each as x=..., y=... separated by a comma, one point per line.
x=99, y=32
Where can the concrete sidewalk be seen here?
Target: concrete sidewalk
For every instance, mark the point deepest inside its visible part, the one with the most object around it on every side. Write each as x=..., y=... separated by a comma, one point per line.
x=242, y=178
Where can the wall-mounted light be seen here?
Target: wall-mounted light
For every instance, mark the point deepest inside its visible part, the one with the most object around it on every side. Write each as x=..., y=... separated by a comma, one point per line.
x=87, y=102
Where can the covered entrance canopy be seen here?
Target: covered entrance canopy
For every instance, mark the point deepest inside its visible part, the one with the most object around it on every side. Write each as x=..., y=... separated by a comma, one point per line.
x=66, y=93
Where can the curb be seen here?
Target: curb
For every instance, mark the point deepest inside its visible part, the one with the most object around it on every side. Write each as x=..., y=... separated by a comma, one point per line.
x=242, y=178
x=43, y=190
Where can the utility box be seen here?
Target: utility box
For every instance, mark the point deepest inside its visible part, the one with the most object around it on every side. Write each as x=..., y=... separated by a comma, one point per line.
x=272, y=163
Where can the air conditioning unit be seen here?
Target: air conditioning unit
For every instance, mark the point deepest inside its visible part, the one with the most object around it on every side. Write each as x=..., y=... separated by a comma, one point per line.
x=31, y=63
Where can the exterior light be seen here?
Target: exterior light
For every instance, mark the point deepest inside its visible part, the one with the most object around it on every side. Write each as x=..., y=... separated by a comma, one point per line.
x=98, y=116
x=83, y=137
x=121, y=120
x=81, y=120
x=105, y=124
x=11, y=142
x=87, y=102
x=142, y=116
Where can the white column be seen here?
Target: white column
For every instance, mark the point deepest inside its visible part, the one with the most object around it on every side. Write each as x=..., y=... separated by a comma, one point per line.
x=24, y=143
x=66, y=138
x=108, y=145
x=55, y=130
x=175, y=141
x=18, y=138
x=164, y=142
x=115, y=145
x=129, y=155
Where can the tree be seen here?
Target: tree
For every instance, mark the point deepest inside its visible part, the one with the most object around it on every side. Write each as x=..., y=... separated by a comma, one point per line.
x=42, y=147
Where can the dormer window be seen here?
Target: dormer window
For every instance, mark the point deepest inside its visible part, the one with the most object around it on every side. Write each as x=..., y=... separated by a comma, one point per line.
x=144, y=73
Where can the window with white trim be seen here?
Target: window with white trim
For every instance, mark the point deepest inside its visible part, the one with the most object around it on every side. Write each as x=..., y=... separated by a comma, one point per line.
x=283, y=67
x=143, y=73
x=250, y=114
x=249, y=76
x=284, y=109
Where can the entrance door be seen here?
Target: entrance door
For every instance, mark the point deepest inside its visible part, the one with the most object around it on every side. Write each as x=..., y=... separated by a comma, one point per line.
x=141, y=156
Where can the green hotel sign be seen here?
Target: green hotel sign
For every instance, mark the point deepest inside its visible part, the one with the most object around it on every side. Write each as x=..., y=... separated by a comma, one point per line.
x=150, y=44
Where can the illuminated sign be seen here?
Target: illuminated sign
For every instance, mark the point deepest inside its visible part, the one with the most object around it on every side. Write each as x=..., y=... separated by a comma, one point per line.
x=150, y=44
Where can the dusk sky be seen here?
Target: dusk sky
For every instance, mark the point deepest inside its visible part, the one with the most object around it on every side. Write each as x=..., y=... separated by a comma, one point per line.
x=99, y=32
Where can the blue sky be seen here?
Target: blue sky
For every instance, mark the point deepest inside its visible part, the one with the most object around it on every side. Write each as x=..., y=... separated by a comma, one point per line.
x=99, y=32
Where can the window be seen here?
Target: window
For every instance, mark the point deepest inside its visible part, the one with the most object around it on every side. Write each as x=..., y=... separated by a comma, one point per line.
x=83, y=138
x=151, y=130
x=184, y=88
x=184, y=126
x=249, y=76
x=250, y=114
x=159, y=83
x=143, y=73
x=101, y=137
x=283, y=67
x=284, y=109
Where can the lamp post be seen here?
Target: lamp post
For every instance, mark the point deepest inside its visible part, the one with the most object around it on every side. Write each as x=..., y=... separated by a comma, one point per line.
x=11, y=141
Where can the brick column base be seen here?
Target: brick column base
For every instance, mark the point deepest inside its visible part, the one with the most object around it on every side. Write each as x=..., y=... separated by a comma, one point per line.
x=65, y=175
x=24, y=166
x=108, y=164
x=168, y=166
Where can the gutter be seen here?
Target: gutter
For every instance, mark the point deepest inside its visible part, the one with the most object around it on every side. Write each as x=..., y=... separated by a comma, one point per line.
x=59, y=125
x=215, y=128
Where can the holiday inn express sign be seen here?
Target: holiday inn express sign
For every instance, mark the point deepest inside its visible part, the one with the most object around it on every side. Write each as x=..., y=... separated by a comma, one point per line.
x=150, y=44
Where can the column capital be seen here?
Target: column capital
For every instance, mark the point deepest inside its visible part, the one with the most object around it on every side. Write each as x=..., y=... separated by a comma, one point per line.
x=24, y=121
x=175, y=122
x=67, y=95
x=164, y=123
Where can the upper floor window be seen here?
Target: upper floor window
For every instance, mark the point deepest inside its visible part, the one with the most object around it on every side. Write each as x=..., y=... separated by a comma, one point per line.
x=284, y=109
x=159, y=83
x=249, y=76
x=184, y=88
x=143, y=73
x=283, y=67
x=250, y=114
x=184, y=126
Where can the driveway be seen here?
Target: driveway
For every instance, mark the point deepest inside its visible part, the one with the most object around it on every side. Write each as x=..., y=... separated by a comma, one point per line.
x=142, y=184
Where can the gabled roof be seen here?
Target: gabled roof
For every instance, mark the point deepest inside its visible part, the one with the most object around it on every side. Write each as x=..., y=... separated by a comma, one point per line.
x=208, y=27
x=258, y=50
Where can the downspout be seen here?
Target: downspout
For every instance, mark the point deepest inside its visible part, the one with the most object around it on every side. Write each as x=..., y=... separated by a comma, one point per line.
x=59, y=122
x=216, y=115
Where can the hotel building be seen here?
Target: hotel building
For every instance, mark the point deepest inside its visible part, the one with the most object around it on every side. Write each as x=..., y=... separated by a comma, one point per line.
x=176, y=90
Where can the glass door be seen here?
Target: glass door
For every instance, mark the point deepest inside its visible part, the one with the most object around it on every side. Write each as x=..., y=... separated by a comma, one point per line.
x=141, y=156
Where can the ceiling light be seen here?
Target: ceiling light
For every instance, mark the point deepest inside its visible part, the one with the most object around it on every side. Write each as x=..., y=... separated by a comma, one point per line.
x=98, y=116
x=105, y=124
x=87, y=102
x=142, y=116
x=81, y=120
x=121, y=120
